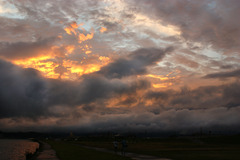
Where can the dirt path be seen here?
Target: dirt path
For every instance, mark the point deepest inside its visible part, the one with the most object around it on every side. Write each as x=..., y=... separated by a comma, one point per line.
x=134, y=156
x=47, y=153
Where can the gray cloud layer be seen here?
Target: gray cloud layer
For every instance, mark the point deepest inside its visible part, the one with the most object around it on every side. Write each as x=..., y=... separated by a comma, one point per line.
x=22, y=91
x=229, y=74
x=21, y=50
x=114, y=98
x=209, y=22
x=134, y=64
x=25, y=94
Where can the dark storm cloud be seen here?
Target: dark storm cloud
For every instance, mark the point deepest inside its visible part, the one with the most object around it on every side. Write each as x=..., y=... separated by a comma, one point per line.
x=184, y=111
x=174, y=120
x=22, y=91
x=200, y=98
x=206, y=21
x=21, y=50
x=231, y=95
x=229, y=74
x=106, y=100
x=26, y=96
x=135, y=64
x=89, y=90
x=227, y=66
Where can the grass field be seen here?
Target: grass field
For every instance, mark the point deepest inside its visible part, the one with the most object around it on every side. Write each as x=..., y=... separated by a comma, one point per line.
x=69, y=151
x=187, y=148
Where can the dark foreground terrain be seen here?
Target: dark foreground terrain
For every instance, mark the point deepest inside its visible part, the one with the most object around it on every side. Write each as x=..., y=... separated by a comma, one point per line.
x=69, y=151
x=176, y=148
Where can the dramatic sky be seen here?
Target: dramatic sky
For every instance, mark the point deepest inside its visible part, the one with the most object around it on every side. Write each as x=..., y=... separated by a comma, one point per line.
x=113, y=65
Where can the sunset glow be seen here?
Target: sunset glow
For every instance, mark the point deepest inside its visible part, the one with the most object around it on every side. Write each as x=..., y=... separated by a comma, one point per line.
x=112, y=65
x=103, y=29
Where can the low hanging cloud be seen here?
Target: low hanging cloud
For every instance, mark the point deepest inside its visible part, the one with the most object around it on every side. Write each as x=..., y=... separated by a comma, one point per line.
x=22, y=92
x=28, y=98
x=221, y=75
x=34, y=94
x=91, y=89
x=135, y=64
x=22, y=50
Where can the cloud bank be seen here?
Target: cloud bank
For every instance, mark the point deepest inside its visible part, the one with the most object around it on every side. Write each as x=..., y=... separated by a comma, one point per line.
x=115, y=65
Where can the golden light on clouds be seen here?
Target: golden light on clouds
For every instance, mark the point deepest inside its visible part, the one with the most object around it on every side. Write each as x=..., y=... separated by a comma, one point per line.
x=120, y=101
x=57, y=63
x=103, y=29
x=104, y=59
x=81, y=69
x=71, y=29
x=69, y=69
x=70, y=48
x=161, y=77
x=164, y=81
x=86, y=48
x=41, y=64
x=82, y=37
x=162, y=85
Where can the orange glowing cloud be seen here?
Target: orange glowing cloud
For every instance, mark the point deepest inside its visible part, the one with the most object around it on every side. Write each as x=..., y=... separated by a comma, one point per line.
x=121, y=101
x=162, y=85
x=71, y=29
x=75, y=69
x=52, y=67
x=161, y=77
x=104, y=59
x=81, y=69
x=70, y=48
x=164, y=81
x=103, y=29
x=82, y=37
x=72, y=70
x=41, y=64
x=86, y=49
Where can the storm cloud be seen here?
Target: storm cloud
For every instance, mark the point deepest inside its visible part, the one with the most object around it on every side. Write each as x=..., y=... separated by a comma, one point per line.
x=26, y=94
x=22, y=50
x=229, y=74
x=136, y=63
x=106, y=65
x=22, y=91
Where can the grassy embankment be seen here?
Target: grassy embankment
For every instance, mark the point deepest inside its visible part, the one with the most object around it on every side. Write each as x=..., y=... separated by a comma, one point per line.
x=69, y=151
x=207, y=148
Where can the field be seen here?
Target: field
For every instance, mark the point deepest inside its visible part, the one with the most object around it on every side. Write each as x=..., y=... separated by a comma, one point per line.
x=69, y=151
x=178, y=148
